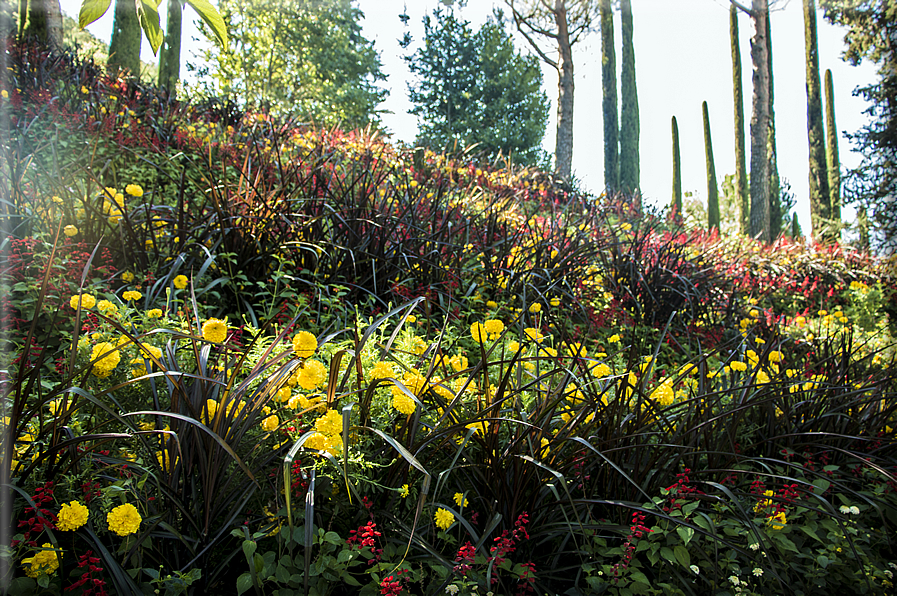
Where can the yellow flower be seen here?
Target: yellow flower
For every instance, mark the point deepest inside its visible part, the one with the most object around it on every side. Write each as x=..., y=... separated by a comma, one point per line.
x=124, y=520
x=382, y=370
x=601, y=370
x=85, y=300
x=214, y=330
x=738, y=366
x=777, y=521
x=544, y=448
x=72, y=516
x=283, y=394
x=107, y=308
x=491, y=304
x=330, y=424
x=270, y=424
x=403, y=492
x=70, y=231
x=107, y=358
x=613, y=338
x=132, y=295
x=127, y=277
x=494, y=327
x=402, y=402
x=533, y=334
x=312, y=375
x=4, y=94
x=180, y=282
x=154, y=313
x=478, y=332
x=134, y=190
x=535, y=307
x=44, y=562
x=305, y=344
x=460, y=500
x=443, y=518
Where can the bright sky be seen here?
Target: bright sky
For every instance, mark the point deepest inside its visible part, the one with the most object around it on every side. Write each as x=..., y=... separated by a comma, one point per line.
x=682, y=59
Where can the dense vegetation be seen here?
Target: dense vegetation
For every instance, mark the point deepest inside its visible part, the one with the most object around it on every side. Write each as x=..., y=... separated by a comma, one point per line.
x=245, y=355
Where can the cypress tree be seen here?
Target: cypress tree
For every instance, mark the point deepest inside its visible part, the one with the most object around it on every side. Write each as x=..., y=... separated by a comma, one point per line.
x=712, y=186
x=775, y=195
x=677, y=173
x=833, y=159
x=39, y=18
x=124, y=47
x=759, y=182
x=741, y=182
x=609, y=100
x=820, y=207
x=170, y=53
x=629, y=117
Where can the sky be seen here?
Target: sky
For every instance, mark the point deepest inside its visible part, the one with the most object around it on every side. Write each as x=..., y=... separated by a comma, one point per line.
x=682, y=58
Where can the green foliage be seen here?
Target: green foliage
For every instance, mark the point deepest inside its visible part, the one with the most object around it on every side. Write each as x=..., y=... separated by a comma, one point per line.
x=712, y=186
x=476, y=89
x=298, y=58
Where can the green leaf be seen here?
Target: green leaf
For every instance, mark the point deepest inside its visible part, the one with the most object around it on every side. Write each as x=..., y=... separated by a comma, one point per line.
x=785, y=543
x=822, y=484
x=332, y=538
x=148, y=15
x=91, y=10
x=667, y=553
x=212, y=18
x=682, y=555
x=249, y=548
x=809, y=532
x=685, y=533
x=244, y=582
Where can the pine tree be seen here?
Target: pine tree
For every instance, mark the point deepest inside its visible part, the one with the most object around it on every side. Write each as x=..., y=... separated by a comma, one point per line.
x=677, y=173
x=629, y=116
x=833, y=160
x=124, y=47
x=170, y=54
x=820, y=206
x=609, y=100
x=741, y=179
x=712, y=186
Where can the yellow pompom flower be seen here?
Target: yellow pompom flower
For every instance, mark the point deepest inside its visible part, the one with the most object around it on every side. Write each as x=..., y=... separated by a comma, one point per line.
x=134, y=190
x=124, y=520
x=44, y=562
x=535, y=307
x=312, y=375
x=777, y=521
x=330, y=424
x=180, y=282
x=613, y=338
x=494, y=327
x=443, y=518
x=270, y=424
x=478, y=332
x=738, y=366
x=382, y=370
x=107, y=357
x=402, y=402
x=85, y=300
x=460, y=500
x=154, y=313
x=305, y=344
x=72, y=516
x=127, y=277
x=214, y=330
x=132, y=295
x=70, y=231
x=107, y=308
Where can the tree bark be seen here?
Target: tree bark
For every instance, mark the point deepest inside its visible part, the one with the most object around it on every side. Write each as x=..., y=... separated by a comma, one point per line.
x=820, y=201
x=170, y=53
x=563, y=151
x=629, y=116
x=124, y=47
x=741, y=179
x=775, y=195
x=759, y=183
x=609, y=100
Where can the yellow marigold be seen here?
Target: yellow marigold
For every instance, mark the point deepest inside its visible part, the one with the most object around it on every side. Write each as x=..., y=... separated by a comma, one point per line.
x=601, y=370
x=134, y=190
x=70, y=231
x=762, y=377
x=107, y=308
x=460, y=500
x=283, y=394
x=132, y=295
x=214, y=330
x=492, y=304
x=124, y=520
x=44, y=562
x=777, y=521
x=613, y=338
x=535, y=307
x=312, y=375
x=458, y=362
x=211, y=408
x=72, y=516
x=478, y=332
x=154, y=313
x=664, y=394
x=533, y=334
x=775, y=356
x=166, y=459
x=402, y=402
x=382, y=370
x=127, y=277
x=330, y=424
x=738, y=366
x=494, y=327
x=305, y=344
x=323, y=442
x=544, y=448
x=443, y=518
x=107, y=357
x=180, y=282
x=85, y=300
x=270, y=424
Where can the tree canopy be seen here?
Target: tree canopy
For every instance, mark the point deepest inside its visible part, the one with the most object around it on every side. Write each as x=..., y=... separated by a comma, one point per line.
x=475, y=88
x=299, y=58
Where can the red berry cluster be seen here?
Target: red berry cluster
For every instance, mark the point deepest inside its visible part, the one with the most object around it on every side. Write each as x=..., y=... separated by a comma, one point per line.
x=93, y=586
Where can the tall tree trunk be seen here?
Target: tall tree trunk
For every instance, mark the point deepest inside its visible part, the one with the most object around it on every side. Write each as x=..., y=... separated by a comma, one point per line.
x=820, y=201
x=677, y=173
x=712, y=186
x=775, y=195
x=629, y=117
x=41, y=19
x=170, y=53
x=609, y=100
x=741, y=179
x=124, y=48
x=563, y=148
x=759, y=182
x=833, y=158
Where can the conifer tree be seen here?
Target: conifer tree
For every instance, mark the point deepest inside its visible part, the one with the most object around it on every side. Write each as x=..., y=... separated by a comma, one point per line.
x=775, y=186
x=833, y=160
x=712, y=186
x=741, y=179
x=124, y=47
x=170, y=53
x=677, y=172
x=609, y=100
x=820, y=205
x=629, y=117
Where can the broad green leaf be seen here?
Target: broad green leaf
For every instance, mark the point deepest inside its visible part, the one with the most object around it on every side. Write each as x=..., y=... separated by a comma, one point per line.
x=92, y=10
x=244, y=582
x=685, y=533
x=809, y=532
x=213, y=19
x=823, y=561
x=667, y=553
x=682, y=555
x=249, y=548
x=148, y=15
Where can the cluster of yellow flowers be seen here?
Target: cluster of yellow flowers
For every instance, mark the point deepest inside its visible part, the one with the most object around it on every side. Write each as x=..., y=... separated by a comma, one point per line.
x=328, y=433
x=44, y=562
